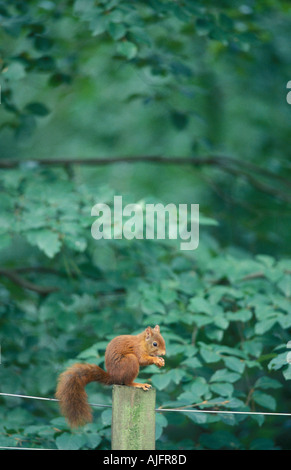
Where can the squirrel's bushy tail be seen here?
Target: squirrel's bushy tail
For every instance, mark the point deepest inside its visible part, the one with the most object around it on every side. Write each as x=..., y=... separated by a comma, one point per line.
x=71, y=391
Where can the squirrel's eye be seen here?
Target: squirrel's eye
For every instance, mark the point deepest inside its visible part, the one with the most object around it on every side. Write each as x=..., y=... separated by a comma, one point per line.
x=155, y=344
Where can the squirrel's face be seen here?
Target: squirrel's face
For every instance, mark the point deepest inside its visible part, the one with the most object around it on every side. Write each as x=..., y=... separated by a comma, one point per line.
x=155, y=342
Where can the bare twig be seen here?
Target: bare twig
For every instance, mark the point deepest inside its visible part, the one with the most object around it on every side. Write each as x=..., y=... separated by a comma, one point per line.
x=12, y=163
x=259, y=275
x=13, y=275
x=230, y=165
x=20, y=281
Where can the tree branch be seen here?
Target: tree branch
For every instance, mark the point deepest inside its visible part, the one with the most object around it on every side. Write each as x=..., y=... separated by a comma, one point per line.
x=230, y=165
x=13, y=163
x=259, y=275
x=16, y=279
x=13, y=275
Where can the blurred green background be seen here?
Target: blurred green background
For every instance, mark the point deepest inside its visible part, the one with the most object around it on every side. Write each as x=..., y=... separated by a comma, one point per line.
x=198, y=81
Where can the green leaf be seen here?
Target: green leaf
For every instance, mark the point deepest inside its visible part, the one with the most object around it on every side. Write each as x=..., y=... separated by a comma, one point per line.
x=5, y=240
x=235, y=364
x=264, y=400
x=223, y=375
x=161, y=381
x=15, y=71
x=200, y=305
x=278, y=362
x=89, y=353
x=8, y=441
x=39, y=109
x=198, y=418
x=98, y=25
x=203, y=25
x=168, y=296
x=188, y=398
x=209, y=356
x=263, y=326
x=243, y=315
x=46, y=241
x=221, y=321
x=150, y=306
x=285, y=285
x=263, y=444
x=92, y=440
x=176, y=375
x=253, y=347
x=180, y=120
x=161, y=423
x=45, y=63
x=106, y=417
x=26, y=126
x=223, y=389
x=287, y=372
x=117, y=30
x=48, y=381
x=42, y=43
x=219, y=440
x=201, y=320
x=192, y=362
x=213, y=333
x=203, y=220
x=68, y=441
x=83, y=6
x=58, y=78
x=267, y=382
x=218, y=293
x=127, y=49
x=285, y=321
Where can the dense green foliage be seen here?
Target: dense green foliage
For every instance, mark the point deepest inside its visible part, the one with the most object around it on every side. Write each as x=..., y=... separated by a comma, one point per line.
x=185, y=79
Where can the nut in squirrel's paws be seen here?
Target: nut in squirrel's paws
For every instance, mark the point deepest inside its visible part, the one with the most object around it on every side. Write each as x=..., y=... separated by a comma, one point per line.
x=160, y=362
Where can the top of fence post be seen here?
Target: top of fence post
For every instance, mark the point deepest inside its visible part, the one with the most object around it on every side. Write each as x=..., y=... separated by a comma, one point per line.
x=133, y=418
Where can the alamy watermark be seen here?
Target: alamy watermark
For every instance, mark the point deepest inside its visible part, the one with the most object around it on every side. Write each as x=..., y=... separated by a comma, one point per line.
x=147, y=221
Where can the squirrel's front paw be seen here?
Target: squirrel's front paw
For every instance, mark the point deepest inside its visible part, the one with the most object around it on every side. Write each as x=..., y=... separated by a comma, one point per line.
x=159, y=361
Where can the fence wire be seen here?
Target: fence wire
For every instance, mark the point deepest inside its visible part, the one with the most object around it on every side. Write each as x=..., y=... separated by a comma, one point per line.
x=183, y=409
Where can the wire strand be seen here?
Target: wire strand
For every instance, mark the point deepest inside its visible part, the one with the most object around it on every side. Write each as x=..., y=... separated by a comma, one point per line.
x=25, y=448
x=159, y=410
x=48, y=399
x=184, y=410
x=224, y=412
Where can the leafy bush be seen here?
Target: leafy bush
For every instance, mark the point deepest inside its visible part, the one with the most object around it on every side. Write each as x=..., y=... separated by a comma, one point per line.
x=199, y=82
x=225, y=317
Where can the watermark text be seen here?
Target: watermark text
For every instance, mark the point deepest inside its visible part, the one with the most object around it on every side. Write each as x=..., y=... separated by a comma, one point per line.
x=149, y=221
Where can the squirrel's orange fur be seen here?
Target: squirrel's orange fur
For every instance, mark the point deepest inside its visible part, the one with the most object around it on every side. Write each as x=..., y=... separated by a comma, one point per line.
x=123, y=356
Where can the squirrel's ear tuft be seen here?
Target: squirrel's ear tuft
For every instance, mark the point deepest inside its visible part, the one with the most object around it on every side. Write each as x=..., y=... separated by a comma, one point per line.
x=148, y=332
x=157, y=328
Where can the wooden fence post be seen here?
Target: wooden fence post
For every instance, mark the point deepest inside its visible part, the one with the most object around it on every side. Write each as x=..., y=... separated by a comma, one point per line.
x=133, y=418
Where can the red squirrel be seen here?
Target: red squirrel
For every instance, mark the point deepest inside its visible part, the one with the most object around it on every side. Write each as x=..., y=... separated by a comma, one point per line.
x=123, y=356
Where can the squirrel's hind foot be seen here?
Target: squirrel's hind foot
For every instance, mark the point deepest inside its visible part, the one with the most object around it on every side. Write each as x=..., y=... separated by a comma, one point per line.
x=143, y=386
